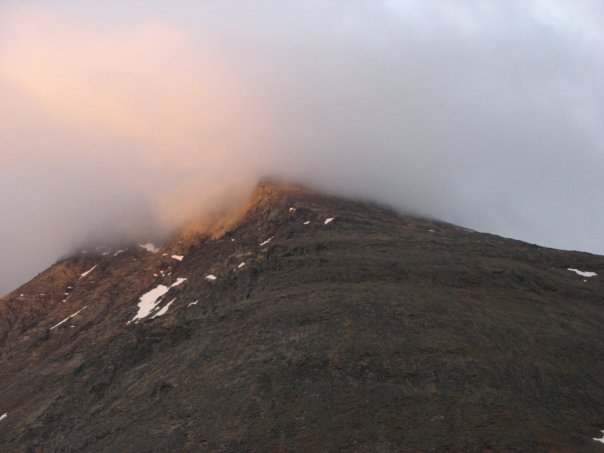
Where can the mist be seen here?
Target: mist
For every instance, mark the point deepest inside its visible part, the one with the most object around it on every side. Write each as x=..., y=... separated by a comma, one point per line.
x=123, y=120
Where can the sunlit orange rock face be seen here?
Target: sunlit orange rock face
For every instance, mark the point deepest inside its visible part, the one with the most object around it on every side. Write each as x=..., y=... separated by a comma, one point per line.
x=273, y=329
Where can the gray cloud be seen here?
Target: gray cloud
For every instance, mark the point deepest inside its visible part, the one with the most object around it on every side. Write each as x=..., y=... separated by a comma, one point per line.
x=483, y=114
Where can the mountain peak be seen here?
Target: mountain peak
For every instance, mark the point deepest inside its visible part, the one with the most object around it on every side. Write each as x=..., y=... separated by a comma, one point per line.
x=268, y=195
x=271, y=187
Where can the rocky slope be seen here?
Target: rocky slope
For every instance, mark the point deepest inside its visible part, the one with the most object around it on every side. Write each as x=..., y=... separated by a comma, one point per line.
x=282, y=330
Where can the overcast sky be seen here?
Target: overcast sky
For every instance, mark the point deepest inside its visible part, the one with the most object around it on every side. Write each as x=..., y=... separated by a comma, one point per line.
x=130, y=116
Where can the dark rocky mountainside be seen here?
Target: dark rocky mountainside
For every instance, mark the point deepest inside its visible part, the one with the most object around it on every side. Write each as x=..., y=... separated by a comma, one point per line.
x=370, y=332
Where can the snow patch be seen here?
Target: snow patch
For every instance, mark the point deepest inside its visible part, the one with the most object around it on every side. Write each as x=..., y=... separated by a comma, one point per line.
x=241, y=265
x=3, y=416
x=118, y=252
x=68, y=318
x=192, y=303
x=328, y=221
x=177, y=257
x=307, y=222
x=292, y=209
x=583, y=273
x=149, y=247
x=150, y=299
x=88, y=271
x=267, y=241
x=601, y=439
x=164, y=310
x=210, y=277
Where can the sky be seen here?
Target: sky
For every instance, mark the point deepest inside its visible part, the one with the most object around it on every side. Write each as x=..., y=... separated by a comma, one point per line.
x=123, y=119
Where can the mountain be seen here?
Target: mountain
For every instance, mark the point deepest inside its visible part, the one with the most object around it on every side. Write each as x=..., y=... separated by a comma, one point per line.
x=307, y=322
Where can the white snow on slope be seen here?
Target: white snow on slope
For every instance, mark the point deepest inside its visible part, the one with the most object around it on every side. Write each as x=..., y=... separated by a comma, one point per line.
x=177, y=257
x=164, y=309
x=601, y=439
x=292, y=209
x=583, y=273
x=192, y=303
x=327, y=221
x=68, y=318
x=3, y=416
x=118, y=252
x=267, y=241
x=149, y=300
x=241, y=265
x=149, y=247
x=307, y=222
x=210, y=277
x=88, y=271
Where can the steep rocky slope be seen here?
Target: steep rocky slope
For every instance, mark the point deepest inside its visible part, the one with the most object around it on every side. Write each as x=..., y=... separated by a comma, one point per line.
x=292, y=332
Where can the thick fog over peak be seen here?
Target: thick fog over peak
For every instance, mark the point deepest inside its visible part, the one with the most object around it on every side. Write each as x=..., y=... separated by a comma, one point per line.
x=126, y=118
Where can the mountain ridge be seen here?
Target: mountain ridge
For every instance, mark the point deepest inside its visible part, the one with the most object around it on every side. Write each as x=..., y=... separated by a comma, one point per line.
x=371, y=331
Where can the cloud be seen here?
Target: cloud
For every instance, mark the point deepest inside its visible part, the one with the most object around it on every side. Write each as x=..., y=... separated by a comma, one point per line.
x=483, y=114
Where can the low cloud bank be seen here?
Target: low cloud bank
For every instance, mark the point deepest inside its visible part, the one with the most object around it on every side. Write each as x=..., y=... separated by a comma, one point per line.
x=127, y=119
